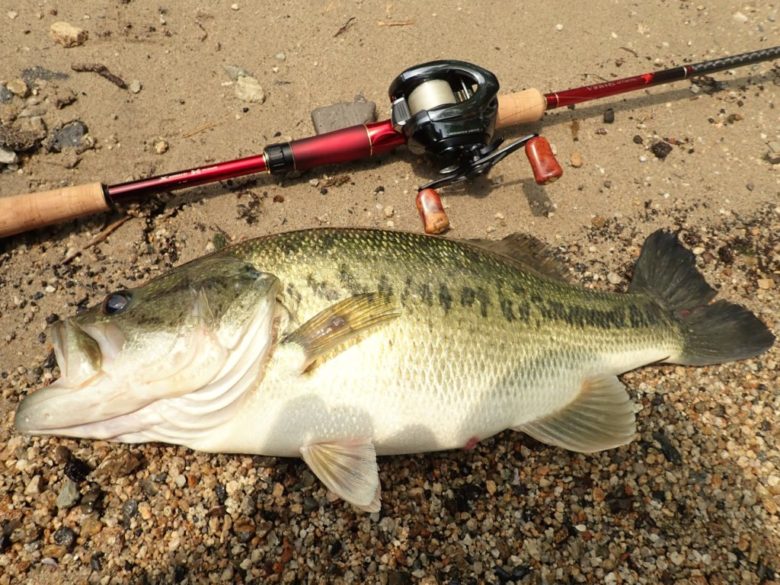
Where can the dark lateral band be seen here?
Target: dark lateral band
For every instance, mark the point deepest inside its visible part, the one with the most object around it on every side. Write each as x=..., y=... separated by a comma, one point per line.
x=279, y=157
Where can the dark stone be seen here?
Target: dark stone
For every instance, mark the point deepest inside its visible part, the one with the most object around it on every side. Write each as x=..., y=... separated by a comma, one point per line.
x=71, y=135
x=221, y=493
x=609, y=116
x=515, y=575
x=661, y=149
x=399, y=578
x=96, y=562
x=5, y=95
x=65, y=537
x=343, y=115
x=667, y=448
x=179, y=573
x=130, y=509
x=77, y=470
x=32, y=74
x=92, y=501
x=463, y=497
x=638, y=139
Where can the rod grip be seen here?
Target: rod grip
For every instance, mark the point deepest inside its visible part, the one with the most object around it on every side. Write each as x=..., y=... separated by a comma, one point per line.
x=522, y=107
x=28, y=211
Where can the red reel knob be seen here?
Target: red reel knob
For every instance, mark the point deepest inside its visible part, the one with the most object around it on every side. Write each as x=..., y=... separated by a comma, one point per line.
x=435, y=220
x=543, y=162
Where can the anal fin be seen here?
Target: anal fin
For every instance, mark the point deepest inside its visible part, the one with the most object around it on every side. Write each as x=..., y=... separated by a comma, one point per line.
x=601, y=417
x=348, y=468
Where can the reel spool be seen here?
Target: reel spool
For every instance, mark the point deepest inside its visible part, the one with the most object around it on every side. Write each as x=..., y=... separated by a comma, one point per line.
x=445, y=108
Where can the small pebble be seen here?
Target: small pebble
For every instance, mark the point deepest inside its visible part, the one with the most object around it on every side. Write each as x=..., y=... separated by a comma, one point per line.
x=161, y=146
x=773, y=154
x=280, y=56
x=244, y=529
x=68, y=35
x=135, y=86
x=8, y=157
x=69, y=494
x=64, y=537
x=576, y=159
x=638, y=139
x=559, y=27
x=90, y=526
x=130, y=509
x=71, y=135
x=145, y=510
x=248, y=89
x=661, y=149
x=740, y=17
x=388, y=211
x=77, y=470
x=609, y=116
x=614, y=278
x=34, y=486
x=18, y=87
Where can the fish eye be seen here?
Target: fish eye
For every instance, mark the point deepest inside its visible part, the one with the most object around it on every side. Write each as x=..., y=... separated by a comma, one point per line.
x=116, y=302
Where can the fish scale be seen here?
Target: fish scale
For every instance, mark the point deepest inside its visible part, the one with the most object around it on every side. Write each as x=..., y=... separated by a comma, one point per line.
x=485, y=369
x=338, y=345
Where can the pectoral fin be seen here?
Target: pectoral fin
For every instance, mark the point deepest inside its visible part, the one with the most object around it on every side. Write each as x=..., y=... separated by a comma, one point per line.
x=347, y=468
x=601, y=417
x=341, y=322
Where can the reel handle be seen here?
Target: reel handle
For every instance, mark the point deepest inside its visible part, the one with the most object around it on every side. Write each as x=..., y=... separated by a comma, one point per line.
x=522, y=107
x=542, y=160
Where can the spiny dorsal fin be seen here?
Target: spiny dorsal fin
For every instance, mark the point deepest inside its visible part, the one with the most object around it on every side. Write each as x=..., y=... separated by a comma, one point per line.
x=347, y=468
x=341, y=322
x=527, y=252
x=601, y=417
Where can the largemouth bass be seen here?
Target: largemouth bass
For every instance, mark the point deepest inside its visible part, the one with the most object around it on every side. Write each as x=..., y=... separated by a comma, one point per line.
x=338, y=345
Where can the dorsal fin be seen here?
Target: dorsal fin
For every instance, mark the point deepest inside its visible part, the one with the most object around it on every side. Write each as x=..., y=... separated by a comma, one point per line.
x=526, y=252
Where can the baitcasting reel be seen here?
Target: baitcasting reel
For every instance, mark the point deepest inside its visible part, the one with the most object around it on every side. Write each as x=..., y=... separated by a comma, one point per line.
x=448, y=109
x=445, y=108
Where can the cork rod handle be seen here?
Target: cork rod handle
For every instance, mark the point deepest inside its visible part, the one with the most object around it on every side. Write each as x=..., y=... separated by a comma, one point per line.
x=20, y=213
x=522, y=107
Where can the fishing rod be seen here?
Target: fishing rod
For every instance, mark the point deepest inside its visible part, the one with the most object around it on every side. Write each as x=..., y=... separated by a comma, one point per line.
x=447, y=109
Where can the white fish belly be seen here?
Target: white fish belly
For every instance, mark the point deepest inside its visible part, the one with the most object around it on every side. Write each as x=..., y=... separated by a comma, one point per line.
x=368, y=390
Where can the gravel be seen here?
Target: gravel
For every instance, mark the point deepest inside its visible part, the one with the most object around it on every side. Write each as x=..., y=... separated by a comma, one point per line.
x=694, y=500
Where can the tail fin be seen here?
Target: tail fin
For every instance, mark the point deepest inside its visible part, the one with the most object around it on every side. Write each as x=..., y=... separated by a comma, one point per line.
x=712, y=333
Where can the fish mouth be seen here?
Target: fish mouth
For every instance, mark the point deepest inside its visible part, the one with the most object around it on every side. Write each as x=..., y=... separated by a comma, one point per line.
x=194, y=382
x=73, y=399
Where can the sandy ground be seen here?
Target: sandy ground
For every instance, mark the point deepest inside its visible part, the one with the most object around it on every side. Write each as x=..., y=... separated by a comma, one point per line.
x=694, y=500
